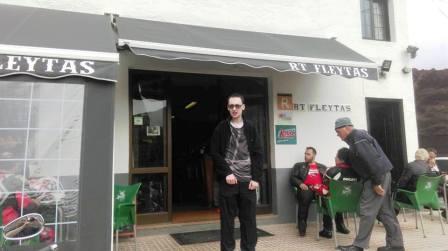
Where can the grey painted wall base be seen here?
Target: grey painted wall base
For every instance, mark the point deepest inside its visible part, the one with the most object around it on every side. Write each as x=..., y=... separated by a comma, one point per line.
x=283, y=199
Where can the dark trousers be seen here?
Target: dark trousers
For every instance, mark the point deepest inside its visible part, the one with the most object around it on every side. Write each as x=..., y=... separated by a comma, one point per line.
x=238, y=200
x=304, y=198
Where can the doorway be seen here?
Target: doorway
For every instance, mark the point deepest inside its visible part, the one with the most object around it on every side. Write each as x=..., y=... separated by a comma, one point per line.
x=386, y=125
x=173, y=116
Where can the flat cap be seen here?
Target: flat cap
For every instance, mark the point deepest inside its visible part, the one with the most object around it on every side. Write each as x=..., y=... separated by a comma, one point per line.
x=341, y=122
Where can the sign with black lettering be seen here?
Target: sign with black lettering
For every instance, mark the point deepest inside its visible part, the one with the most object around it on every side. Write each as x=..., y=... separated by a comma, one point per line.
x=327, y=69
x=52, y=68
x=285, y=105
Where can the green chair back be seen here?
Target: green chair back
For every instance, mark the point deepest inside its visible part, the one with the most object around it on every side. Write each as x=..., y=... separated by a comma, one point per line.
x=424, y=195
x=426, y=191
x=344, y=197
x=124, y=205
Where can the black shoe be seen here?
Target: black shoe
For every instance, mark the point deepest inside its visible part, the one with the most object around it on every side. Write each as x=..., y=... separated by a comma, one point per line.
x=342, y=229
x=302, y=228
x=390, y=248
x=350, y=248
x=326, y=234
x=444, y=213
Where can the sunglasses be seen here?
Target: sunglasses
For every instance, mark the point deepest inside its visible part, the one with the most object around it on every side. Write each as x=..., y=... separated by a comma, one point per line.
x=232, y=106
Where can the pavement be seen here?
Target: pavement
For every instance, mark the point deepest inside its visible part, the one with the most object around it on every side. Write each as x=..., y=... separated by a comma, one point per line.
x=157, y=238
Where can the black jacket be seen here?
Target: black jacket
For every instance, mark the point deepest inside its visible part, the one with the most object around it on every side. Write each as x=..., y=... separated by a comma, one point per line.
x=367, y=158
x=409, y=177
x=218, y=145
x=300, y=171
x=346, y=173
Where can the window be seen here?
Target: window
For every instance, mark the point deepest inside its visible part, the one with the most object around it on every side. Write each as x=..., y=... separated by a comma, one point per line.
x=375, y=20
x=40, y=154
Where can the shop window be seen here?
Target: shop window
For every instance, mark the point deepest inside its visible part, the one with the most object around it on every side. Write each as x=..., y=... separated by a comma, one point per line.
x=40, y=150
x=375, y=20
x=148, y=127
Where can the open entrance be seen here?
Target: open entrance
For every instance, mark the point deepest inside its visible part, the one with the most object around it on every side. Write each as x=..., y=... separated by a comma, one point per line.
x=386, y=125
x=174, y=115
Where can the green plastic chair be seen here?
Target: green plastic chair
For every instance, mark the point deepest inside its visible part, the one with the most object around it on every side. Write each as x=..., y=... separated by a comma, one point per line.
x=295, y=190
x=344, y=197
x=425, y=195
x=2, y=240
x=125, y=209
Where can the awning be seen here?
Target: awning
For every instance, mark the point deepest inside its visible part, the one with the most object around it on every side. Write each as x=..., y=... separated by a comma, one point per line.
x=283, y=53
x=55, y=44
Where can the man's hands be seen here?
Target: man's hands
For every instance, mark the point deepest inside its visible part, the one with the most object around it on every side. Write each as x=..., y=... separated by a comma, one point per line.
x=303, y=187
x=231, y=179
x=253, y=185
x=378, y=190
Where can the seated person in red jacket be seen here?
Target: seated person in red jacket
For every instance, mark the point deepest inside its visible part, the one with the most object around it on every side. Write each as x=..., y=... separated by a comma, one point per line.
x=342, y=171
x=308, y=178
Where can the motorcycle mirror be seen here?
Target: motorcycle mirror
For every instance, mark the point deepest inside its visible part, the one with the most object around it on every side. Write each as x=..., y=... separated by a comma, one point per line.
x=24, y=227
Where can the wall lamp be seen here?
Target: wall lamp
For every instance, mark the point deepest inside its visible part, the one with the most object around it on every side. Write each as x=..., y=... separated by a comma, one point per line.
x=385, y=67
x=406, y=70
x=412, y=50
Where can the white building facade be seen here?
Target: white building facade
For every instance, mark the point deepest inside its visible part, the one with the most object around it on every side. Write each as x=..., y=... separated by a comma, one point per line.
x=385, y=105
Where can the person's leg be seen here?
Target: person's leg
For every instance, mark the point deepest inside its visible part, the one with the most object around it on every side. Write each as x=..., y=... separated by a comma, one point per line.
x=340, y=226
x=247, y=205
x=328, y=225
x=228, y=210
x=304, y=198
x=394, y=237
x=370, y=205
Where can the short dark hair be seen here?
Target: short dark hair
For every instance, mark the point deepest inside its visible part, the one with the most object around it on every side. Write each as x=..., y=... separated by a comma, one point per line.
x=431, y=149
x=344, y=155
x=236, y=95
x=312, y=149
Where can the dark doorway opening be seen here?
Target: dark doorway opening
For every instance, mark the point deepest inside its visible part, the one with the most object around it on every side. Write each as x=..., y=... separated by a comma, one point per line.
x=386, y=125
x=196, y=103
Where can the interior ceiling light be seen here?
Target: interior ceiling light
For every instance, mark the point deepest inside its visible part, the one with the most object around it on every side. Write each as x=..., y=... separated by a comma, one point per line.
x=191, y=105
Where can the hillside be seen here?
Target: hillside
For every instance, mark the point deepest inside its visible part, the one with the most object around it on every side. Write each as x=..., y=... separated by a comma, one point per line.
x=431, y=101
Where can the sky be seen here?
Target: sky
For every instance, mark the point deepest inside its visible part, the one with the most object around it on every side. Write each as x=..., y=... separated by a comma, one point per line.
x=428, y=30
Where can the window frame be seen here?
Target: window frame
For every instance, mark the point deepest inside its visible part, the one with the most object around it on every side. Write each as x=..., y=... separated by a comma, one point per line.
x=371, y=15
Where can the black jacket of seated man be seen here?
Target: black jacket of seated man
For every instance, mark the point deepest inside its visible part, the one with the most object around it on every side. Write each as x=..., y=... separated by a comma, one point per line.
x=299, y=174
x=409, y=177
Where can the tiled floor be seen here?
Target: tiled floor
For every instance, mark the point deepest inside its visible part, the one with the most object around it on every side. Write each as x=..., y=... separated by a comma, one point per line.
x=286, y=238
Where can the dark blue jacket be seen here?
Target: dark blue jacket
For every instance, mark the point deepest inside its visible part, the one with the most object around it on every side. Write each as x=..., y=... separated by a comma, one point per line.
x=367, y=158
x=218, y=145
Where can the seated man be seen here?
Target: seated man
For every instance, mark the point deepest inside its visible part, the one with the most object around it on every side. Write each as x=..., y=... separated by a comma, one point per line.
x=342, y=171
x=410, y=174
x=307, y=177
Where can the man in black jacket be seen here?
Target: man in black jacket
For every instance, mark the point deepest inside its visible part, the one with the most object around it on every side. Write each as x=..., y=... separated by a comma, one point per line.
x=307, y=177
x=370, y=162
x=238, y=158
x=409, y=177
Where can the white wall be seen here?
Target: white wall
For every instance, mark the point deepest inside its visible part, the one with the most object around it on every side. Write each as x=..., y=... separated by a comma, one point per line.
x=321, y=18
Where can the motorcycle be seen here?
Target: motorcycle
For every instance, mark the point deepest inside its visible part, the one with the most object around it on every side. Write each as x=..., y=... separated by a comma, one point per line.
x=24, y=228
